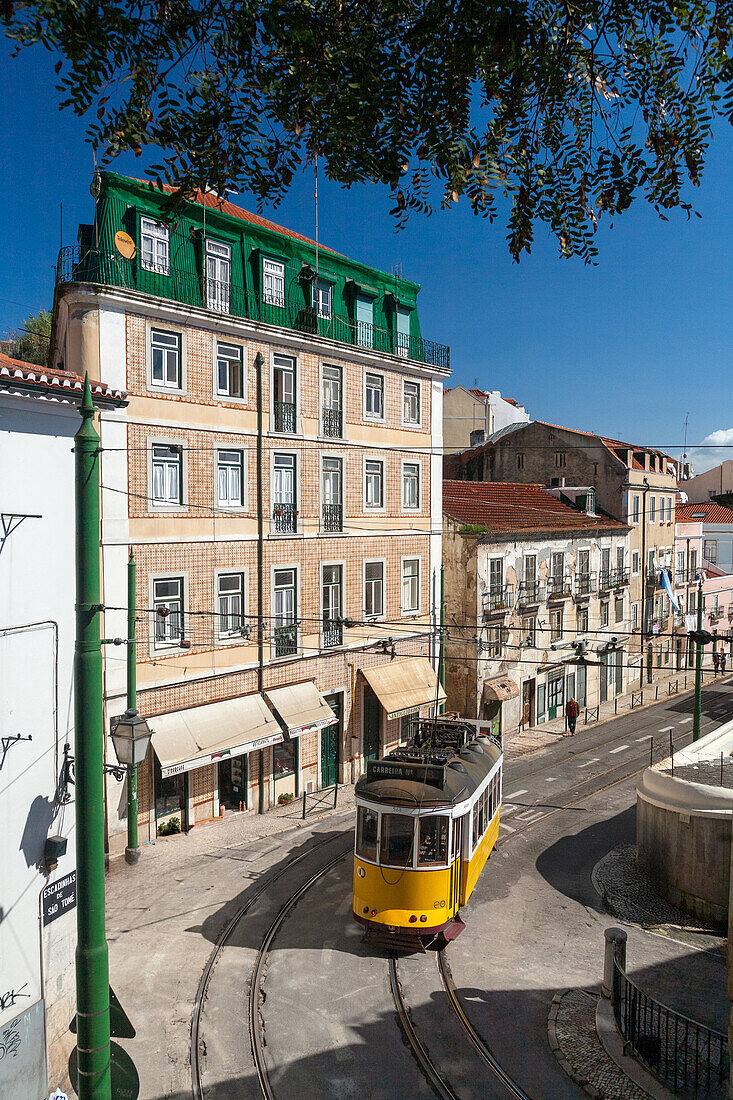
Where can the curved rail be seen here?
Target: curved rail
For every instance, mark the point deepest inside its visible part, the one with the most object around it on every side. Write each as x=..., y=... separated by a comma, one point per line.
x=255, y=1031
x=196, y=1086
x=441, y=1087
x=478, y=1043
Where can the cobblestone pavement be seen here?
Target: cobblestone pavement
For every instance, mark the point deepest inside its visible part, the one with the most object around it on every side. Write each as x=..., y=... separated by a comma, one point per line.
x=572, y=1034
x=630, y=894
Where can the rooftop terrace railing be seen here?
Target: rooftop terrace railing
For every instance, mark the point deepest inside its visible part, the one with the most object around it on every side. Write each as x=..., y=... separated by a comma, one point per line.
x=110, y=269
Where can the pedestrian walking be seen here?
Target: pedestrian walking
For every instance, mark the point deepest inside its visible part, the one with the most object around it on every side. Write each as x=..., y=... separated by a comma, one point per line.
x=722, y=660
x=716, y=662
x=572, y=710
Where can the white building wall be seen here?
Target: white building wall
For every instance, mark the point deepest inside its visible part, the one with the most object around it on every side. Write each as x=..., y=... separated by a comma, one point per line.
x=36, y=699
x=504, y=413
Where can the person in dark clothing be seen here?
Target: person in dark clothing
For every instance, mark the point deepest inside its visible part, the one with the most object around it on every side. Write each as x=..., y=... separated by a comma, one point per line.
x=572, y=710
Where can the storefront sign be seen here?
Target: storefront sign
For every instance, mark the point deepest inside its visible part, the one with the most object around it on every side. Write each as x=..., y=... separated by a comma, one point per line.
x=312, y=727
x=211, y=758
x=59, y=897
x=393, y=714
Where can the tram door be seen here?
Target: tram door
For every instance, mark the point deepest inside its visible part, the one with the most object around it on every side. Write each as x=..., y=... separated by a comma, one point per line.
x=370, y=724
x=459, y=825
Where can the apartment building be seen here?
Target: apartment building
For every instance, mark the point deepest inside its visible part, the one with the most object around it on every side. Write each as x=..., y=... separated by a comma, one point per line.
x=635, y=485
x=277, y=475
x=706, y=486
x=471, y=415
x=703, y=549
x=537, y=602
x=38, y=420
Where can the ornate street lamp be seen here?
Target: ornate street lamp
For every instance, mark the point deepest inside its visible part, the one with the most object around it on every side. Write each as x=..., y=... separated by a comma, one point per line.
x=131, y=738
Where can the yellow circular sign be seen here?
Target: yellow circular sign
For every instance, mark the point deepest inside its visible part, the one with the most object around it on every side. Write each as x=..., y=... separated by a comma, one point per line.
x=125, y=245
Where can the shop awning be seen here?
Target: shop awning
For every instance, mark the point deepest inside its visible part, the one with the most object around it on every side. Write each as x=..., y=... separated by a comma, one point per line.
x=188, y=739
x=402, y=687
x=501, y=687
x=302, y=708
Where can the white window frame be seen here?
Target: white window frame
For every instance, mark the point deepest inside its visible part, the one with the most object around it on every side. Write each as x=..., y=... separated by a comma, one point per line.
x=604, y=613
x=374, y=507
x=634, y=616
x=341, y=564
x=231, y=345
x=280, y=451
x=635, y=560
x=295, y=367
x=280, y=567
x=322, y=367
x=318, y=287
x=218, y=502
x=411, y=507
x=159, y=234
x=410, y=610
x=555, y=633
x=163, y=386
x=652, y=509
x=635, y=508
x=277, y=271
x=322, y=492
x=407, y=423
x=370, y=415
x=373, y=618
x=181, y=445
x=236, y=637
x=155, y=645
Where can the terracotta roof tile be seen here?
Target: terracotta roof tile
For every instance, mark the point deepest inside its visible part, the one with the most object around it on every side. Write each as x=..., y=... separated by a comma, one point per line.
x=61, y=382
x=508, y=506
x=703, y=513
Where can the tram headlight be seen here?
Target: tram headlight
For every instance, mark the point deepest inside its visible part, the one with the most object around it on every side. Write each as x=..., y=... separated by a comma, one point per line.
x=413, y=918
x=423, y=918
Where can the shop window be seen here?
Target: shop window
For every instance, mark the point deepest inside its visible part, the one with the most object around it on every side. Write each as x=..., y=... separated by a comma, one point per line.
x=284, y=759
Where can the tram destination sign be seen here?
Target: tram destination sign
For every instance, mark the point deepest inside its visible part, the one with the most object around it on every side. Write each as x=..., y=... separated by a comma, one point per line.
x=430, y=774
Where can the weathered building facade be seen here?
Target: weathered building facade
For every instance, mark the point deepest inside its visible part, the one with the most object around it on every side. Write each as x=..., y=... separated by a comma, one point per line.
x=471, y=415
x=537, y=603
x=277, y=475
x=636, y=485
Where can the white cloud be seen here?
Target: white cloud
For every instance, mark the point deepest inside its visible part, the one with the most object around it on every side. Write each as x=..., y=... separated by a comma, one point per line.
x=714, y=449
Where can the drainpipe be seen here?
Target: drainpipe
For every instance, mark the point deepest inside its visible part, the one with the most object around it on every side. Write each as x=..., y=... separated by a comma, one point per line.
x=260, y=584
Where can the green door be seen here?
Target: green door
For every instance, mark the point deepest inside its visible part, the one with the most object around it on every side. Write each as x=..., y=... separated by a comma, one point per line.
x=555, y=697
x=330, y=740
x=371, y=724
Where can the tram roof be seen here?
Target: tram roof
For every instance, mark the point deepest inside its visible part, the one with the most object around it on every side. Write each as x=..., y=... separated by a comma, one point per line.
x=461, y=776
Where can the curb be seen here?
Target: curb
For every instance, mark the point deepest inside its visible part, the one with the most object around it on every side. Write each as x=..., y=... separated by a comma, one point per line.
x=579, y=1079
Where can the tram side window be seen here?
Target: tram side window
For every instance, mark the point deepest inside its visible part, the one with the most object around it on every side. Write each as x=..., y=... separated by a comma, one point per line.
x=366, y=836
x=433, y=841
x=492, y=802
x=474, y=815
x=396, y=842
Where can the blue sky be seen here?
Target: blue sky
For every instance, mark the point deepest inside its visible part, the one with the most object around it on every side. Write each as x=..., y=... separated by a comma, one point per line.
x=627, y=348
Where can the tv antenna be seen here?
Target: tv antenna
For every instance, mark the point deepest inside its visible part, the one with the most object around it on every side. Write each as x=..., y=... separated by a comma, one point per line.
x=684, y=453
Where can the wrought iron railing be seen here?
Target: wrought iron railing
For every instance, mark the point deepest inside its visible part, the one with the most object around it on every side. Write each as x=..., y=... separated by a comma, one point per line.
x=286, y=639
x=284, y=518
x=691, y=1058
x=584, y=584
x=333, y=517
x=284, y=416
x=604, y=580
x=530, y=592
x=333, y=633
x=110, y=269
x=498, y=599
x=557, y=586
x=332, y=423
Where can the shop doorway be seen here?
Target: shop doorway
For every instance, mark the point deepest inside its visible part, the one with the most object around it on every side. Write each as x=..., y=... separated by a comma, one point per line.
x=619, y=678
x=528, y=703
x=603, y=672
x=370, y=724
x=233, y=783
x=555, y=696
x=330, y=742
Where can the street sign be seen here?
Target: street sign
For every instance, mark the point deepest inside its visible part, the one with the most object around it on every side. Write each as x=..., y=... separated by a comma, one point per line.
x=58, y=898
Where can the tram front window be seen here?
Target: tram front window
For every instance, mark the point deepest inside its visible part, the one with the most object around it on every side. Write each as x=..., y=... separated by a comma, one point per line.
x=433, y=841
x=366, y=836
x=396, y=844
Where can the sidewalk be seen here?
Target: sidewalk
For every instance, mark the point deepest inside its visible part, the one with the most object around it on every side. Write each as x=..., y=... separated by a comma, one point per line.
x=520, y=741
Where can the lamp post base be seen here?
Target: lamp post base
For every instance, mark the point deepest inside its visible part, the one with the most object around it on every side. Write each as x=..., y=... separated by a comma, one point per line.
x=132, y=855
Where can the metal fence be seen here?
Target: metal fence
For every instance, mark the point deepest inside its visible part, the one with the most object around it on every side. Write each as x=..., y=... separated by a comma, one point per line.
x=320, y=800
x=691, y=1058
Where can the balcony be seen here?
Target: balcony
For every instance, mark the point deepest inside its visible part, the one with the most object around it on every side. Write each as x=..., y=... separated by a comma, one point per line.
x=284, y=417
x=333, y=633
x=530, y=592
x=584, y=584
x=332, y=420
x=558, y=588
x=620, y=577
x=333, y=517
x=284, y=519
x=286, y=639
x=497, y=600
x=191, y=288
x=604, y=580
x=652, y=575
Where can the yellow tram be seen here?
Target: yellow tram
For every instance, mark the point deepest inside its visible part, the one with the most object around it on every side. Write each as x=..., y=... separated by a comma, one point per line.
x=427, y=819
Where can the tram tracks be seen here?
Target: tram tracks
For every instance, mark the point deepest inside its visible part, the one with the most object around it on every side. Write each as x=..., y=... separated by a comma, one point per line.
x=430, y=1070
x=225, y=936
